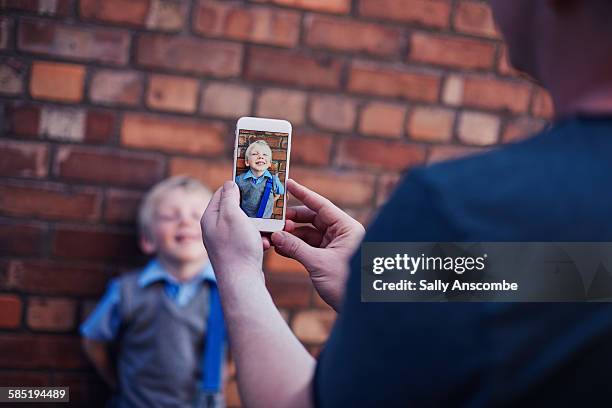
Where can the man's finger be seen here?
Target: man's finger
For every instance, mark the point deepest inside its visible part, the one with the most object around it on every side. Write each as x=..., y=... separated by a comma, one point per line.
x=213, y=207
x=230, y=198
x=291, y=246
x=301, y=214
x=310, y=235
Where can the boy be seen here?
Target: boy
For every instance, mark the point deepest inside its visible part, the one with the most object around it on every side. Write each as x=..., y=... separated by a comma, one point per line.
x=165, y=319
x=259, y=190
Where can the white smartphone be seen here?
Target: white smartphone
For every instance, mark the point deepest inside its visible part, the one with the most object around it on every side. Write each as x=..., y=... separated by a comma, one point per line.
x=261, y=169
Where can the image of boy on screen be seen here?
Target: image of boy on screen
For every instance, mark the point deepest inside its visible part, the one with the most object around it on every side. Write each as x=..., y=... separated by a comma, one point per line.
x=259, y=189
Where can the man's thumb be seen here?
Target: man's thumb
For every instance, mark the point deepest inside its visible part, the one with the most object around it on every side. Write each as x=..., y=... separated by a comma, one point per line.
x=293, y=247
x=230, y=196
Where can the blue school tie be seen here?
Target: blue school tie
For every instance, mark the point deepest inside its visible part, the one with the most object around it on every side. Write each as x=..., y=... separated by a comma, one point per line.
x=264, y=199
x=212, y=358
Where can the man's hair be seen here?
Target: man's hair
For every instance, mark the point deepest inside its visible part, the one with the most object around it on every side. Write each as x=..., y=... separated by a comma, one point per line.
x=258, y=143
x=161, y=189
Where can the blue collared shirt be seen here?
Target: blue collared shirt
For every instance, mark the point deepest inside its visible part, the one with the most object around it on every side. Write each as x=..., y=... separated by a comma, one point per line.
x=277, y=185
x=103, y=323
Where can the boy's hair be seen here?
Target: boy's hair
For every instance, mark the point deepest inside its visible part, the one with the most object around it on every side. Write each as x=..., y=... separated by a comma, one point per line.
x=260, y=143
x=152, y=198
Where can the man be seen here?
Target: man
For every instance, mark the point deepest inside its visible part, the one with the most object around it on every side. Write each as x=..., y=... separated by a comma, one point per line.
x=552, y=187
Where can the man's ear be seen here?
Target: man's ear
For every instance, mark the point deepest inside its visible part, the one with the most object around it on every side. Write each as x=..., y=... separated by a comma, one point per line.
x=147, y=245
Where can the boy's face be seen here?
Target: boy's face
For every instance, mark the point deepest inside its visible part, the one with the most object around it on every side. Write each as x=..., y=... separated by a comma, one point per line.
x=175, y=231
x=259, y=159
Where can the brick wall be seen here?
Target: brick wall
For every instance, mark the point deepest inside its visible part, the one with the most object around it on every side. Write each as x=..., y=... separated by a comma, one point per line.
x=100, y=99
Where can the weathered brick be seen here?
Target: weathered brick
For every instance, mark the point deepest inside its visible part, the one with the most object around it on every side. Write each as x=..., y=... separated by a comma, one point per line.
x=10, y=317
x=87, y=243
x=313, y=326
x=120, y=168
x=454, y=52
x=442, y=153
x=290, y=291
x=373, y=154
x=12, y=76
x=23, y=119
x=452, y=92
x=49, y=38
x=311, y=148
x=324, y=6
x=226, y=100
x=521, y=128
x=132, y=12
x=288, y=67
x=60, y=8
x=368, y=78
x=54, y=278
x=173, y=134
x=351, y=189
x=41, y=351
x=261, y=25
x=382, y=119
x=76, y=125
x=167, y=15
x=21, y=239
x=51, y=314
x=121, y=206
x=172, y=93
x=211, y=173
x=187, y=54
x=542, y=106
x=282, y=104
x=433, y=13
x=345, y=35
x=333, y=113
x=49, y=201
x=490, y=93
x=115, y=87
x=430, y=124
x=474, y=17
x=478, y=128
x=21, y=159
x=276, y=263
x=54, y=81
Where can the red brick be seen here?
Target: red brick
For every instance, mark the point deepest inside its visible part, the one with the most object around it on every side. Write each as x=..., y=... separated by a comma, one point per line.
x=489, y=93
x=87, y=243
x=311, y=148
x=478, y=128
x=232, y=396
x=55, y=278
x=324, y=6
x=41, y=351
x=287, y=67
x=282, y=104
x=86, y=389
x=121, y=206
x=474, y=17
x=542, y=106
x=290, y=291
x=186, y=54
x=367, y=78
x=333, y=112
x=6, y=32
x=429, y=124
x=172, y=93
x=374, y=154
x=382, y=119
x=504, y=66
x=340, y=34
x=211, y=173
x=60, y=8
x=313, y=326
x=12, y=76
x=521, y=128
x=351, y=189
x=49, y=38
x=23, y=119
x=49, y=201
x=120, y=168
x=133, y=12
x=261, y=25
x=454, y=52
x=21, y=159
x=115, y=87
x=442, y=153
x=433, y=13
x=60, y=82
x=167, y=15
x=173, y=134
x=10, y=317
x=51, y=314
x=386, y=185
x=276, y=263
x=99, y=126
x=21, y=239
x=24, y=378
x=226, y=100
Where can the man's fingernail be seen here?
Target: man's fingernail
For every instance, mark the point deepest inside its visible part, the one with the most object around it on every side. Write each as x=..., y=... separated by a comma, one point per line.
x=277, y=237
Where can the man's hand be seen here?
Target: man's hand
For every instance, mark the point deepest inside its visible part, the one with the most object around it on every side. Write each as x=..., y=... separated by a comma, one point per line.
x=324, y=245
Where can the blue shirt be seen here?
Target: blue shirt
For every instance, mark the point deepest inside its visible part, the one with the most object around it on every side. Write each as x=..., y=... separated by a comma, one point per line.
x=103, y=323
x=556, y=186
x=277, y=186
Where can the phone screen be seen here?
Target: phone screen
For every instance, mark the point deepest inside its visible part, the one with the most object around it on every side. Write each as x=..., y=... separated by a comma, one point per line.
x=261, y=168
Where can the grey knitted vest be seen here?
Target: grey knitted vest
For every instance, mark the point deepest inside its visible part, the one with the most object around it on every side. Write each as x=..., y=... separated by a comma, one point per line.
x=250, y=197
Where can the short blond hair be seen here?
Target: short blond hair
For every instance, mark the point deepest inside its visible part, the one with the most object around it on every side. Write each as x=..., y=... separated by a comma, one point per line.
x=151, y=199
x=261, y=143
